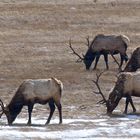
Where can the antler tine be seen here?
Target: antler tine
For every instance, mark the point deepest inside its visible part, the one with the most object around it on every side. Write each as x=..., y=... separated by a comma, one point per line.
x=88, y=43
x=98, y=77
x=101, y=102
x=116, y=61
x=1, y=104
x=96, y=82
x=1, y=114
x=74, y=52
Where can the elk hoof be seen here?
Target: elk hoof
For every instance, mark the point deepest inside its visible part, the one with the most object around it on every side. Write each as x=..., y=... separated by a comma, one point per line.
x=125, y=112
x=134, y=111
x=29, y=123
x=47, y=123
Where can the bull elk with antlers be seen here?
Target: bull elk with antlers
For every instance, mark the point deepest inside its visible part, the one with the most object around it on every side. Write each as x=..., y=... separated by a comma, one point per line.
x=127, y=85
x=104, y=45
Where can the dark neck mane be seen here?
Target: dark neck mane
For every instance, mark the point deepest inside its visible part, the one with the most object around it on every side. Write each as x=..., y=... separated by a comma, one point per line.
x=16, y=103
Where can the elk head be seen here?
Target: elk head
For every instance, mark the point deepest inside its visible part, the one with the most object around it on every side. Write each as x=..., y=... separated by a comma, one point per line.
x=88, y=58
x=114, y=96
x=5, y=110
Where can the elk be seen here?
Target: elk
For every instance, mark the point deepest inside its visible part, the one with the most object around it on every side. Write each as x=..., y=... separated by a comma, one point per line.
x=134, y=62
x=104, y=45
x=127, y=85
x=30, y=92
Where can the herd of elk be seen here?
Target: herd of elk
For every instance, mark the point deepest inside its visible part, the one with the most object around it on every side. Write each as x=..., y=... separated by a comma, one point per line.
x=49, y=91
x=104, y=45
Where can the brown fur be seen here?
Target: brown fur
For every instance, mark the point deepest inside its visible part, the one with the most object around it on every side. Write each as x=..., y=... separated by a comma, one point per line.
x=109, y=43
x=34, y=91
x=127, y=86
x=134, y=62
x=105, y=45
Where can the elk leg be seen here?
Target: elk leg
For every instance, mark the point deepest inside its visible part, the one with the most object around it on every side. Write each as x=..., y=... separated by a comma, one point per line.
x=126, y=58
x=106, y=60
x=60, y=113
x=30, y=108
x=96, y=61
x=122, y=58
x=126, y=105
x=129, y=99
x=131, y=102
x=59, y=107
x=52, y=109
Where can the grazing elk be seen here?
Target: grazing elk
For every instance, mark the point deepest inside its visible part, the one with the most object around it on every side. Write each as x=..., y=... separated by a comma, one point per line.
x=104, y=45
x=134, y=62
x=30, y=92
x=127, y=85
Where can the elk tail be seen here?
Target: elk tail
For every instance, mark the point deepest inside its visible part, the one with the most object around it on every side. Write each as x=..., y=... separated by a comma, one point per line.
x=58, y=82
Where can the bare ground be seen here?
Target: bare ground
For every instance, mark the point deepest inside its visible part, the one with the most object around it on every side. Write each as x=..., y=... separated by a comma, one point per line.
x=34, y=38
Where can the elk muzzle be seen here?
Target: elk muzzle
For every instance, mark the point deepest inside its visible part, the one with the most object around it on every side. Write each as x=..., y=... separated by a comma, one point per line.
x=109, y=107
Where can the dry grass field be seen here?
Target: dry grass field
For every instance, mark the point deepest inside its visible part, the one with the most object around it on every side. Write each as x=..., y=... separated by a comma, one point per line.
x=34, y=40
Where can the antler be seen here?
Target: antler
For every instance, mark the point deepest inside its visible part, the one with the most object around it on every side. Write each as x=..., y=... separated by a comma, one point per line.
x=2, y=107
x=116, y=61
x=80, y=58
x=1, y=104
x=96, y=82
x=88, y=42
